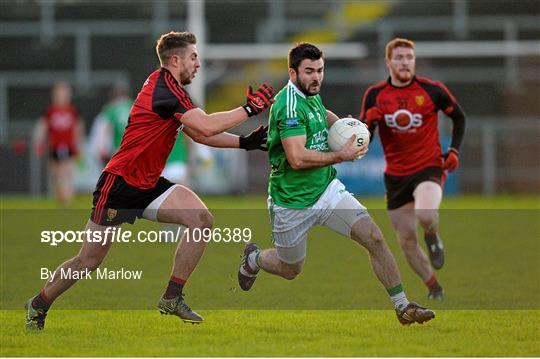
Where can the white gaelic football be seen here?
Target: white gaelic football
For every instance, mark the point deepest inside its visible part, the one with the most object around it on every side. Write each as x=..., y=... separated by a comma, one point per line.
x=343, y=129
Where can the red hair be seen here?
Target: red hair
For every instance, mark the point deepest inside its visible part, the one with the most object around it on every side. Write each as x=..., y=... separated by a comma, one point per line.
x=397, y=42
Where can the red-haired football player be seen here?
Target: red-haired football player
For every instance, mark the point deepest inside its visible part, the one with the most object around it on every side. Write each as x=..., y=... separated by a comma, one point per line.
x=405, y=109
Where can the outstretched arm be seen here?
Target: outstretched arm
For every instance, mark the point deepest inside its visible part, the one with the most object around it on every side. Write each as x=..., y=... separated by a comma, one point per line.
x=221, y=140
x=255, y=140
x=210, y=125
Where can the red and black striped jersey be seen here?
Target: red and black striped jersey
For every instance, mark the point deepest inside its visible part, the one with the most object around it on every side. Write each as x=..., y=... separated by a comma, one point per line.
x=409, y=128
x=153, y=125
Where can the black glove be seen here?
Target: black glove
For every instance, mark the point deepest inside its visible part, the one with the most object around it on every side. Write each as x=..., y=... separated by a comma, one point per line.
x=258, y=101
x=256, y=140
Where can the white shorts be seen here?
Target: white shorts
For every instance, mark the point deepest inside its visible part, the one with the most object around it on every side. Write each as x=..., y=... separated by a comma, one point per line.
x=336, y=209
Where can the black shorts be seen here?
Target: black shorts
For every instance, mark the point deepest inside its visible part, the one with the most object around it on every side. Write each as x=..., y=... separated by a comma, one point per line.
x=400, y=189
x=116, y=202
x=61, y=153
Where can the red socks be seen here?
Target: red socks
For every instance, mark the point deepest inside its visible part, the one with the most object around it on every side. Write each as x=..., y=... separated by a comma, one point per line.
x=431, y=282
x=174, y=289
x=41, y=301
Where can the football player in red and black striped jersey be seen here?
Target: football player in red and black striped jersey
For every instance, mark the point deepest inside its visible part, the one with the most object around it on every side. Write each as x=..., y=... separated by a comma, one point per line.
x=61, y=125
x=131, y=185
x=405, y=110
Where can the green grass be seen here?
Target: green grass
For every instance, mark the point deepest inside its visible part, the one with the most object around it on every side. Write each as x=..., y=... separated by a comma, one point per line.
x=274, y=333
x=336, y=307
x=259, y=202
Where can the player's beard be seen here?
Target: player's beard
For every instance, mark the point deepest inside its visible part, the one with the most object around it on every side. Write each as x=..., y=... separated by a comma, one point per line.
x=305, y=87
x=403, y=77
x=185, y=77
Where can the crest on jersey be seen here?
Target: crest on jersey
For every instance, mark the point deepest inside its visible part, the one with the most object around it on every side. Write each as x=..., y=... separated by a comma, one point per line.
x=419, y=100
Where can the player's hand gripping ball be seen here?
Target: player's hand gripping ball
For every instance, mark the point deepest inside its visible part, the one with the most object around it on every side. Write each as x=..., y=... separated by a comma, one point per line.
x=343, y=129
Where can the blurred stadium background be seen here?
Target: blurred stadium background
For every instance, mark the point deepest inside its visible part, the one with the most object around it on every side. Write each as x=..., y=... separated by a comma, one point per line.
x=486, y=52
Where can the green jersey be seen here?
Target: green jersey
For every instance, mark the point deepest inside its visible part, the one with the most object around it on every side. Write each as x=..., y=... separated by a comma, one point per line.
x=179, y=151
x=117, y=115
x=294, y=114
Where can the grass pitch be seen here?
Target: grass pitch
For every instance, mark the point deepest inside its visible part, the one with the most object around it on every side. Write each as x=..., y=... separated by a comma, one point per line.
x=335, y=307
x=274, y=333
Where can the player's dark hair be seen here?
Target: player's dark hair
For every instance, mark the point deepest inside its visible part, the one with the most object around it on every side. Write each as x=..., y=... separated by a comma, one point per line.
x=398, y=42
x=168, y=43
x=303, y=51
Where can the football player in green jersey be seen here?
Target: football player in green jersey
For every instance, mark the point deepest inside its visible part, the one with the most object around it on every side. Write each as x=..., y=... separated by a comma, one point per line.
x=304, y=191
x=176, y=169
x=112, y=121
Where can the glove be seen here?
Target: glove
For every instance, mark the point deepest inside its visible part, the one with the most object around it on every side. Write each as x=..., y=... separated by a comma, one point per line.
x=258, y=101
x=451, y=160
x=374, y=114
x=256, y=140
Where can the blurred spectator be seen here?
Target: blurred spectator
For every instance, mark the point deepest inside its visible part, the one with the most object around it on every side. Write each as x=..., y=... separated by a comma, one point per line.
x=62, y=126
x=111, y=122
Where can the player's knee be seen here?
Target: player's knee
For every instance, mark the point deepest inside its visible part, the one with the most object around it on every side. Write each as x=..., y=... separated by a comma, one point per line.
x=368, y=235
x=203, y=219
x=427, y=218
x=376, y=235
x=407, y=239
x=207, y=219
